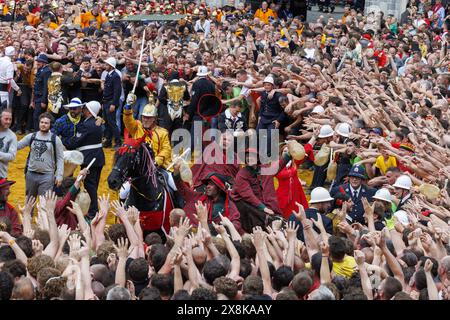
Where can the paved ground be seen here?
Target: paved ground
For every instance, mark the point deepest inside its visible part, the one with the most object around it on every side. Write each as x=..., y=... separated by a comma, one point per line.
x=314, y=14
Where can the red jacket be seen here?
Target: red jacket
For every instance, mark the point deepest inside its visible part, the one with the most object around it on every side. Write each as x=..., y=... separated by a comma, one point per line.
x=256, y=189
x=11, y=213
x=62, y=214
x=191, y=197
x=200, y=171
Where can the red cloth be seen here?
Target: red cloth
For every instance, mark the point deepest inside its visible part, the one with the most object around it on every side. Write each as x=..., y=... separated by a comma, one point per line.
x=155, y=220
x=62, y=214
x=382, y=58
x=290, y=190
x=191, y=197
x=200, y=171
x=11, y=213
x=257, y=189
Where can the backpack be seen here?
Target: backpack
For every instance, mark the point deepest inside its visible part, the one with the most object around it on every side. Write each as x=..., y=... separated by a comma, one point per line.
x=33, y=138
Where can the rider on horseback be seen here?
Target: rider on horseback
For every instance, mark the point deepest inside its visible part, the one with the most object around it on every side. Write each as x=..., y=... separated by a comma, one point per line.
x=147, y=130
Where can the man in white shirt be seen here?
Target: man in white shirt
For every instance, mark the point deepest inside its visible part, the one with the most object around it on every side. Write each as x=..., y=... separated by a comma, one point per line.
x=7, y=77
x=203, y=24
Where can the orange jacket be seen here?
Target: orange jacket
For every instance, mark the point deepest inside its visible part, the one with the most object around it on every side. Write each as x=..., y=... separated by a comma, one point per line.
x=264, y=16
x=88, y=16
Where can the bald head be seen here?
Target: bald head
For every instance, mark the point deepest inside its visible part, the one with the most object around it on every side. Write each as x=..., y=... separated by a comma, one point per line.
x=199, y=256
x=23, y=290
x=98, y=270
x=175, y=217
x=444, y=268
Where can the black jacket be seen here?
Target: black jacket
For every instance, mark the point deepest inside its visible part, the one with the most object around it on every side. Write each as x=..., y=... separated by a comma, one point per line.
x=311, y=213
x=89, y=134
x=113, y=89
x=200, y=87
x=40, y=85
x=271, y=110
x=226, y=122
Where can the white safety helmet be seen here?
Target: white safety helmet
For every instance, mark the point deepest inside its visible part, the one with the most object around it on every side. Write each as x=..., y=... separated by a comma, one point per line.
x=111, y=61
x=343, y=129
x=402, y=217
x=320, y=194
x=318, y=109
x=202, y=71
x=269, y=79
x=403, y=182
x=326, y=131
x=383, y=194
x=94, y=107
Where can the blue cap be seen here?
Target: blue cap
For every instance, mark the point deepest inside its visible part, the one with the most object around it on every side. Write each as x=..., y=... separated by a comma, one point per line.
x=42, y=58
x=357, y=171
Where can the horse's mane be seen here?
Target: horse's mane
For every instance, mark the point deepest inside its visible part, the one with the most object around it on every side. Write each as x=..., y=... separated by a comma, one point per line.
x=148, y=167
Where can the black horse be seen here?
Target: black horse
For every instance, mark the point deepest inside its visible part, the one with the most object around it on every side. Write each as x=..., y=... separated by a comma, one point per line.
x=149, y=191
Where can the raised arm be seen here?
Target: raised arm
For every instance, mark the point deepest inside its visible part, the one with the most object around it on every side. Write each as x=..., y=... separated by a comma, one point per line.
x=50, y=203
x=122, y=253
x=365, y=281
x=259, y=239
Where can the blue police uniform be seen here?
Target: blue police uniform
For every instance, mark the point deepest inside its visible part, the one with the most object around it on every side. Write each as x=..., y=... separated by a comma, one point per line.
x=88, y=141
x=40, y=93
x=357, y=213
x=312, y=213
x=270, y=111
x=111, y=96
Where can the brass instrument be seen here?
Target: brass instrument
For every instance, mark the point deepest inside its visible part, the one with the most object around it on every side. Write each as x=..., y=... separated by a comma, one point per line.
x=175, y=93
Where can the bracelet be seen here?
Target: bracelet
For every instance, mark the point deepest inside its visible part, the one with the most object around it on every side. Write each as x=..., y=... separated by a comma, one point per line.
x=11, y=242
x=324, y=256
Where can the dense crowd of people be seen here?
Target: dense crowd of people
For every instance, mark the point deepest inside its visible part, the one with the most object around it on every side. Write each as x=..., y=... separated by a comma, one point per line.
x=357, y=106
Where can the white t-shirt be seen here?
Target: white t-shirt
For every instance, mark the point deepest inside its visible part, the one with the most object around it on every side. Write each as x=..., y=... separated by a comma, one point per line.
x=245, y=91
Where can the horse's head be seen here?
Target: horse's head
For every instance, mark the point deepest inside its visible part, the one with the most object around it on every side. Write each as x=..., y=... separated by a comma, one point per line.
x=123, y=164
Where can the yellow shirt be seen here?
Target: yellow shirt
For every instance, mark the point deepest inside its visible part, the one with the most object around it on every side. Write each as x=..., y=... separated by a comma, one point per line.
x=264, y=16
x=346, y=268
x=384, y=165
x=159, y=139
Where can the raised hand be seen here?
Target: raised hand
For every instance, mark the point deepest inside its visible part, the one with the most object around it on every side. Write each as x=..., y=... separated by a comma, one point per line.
x=28, y=206
x=75, y=209
x=360, y=258
x=219, y=228
x=300, y=213
x=74, y=245
x=119, y=210
x=324, y=248
x=291, y=231
x=318, y=223
x=177, y=258
x=259, y=238
x=50, y=201
x=184, y=228
x=37, y=247
x=225, y=221
x=428, y=266
x=122, y=248
x=133, y=214
x=202, y=212
x=63, y=233
x=104, y=203
x=381, y=242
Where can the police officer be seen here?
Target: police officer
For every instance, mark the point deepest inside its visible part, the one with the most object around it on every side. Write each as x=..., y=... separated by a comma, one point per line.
x=319, y=204
x=88, y=140
x=40, y=88
x=111, y=102
x=271, y=114
x=356, y=189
